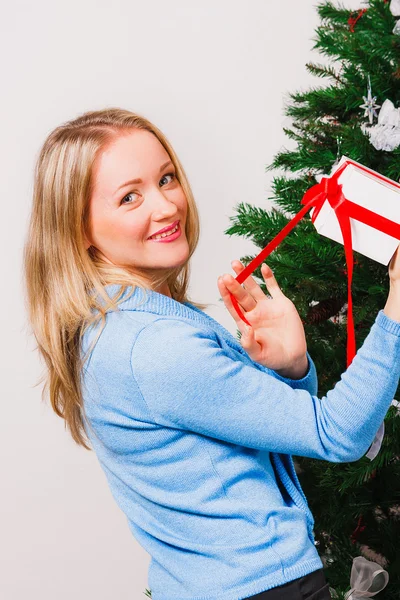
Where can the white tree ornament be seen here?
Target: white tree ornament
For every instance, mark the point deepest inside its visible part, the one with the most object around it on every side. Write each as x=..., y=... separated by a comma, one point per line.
x=385, y=135
x=370, y=105
x=395, y=8
x=396, y=28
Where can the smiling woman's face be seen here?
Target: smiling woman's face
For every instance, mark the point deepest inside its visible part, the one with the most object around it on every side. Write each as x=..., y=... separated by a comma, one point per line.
x=123, y=215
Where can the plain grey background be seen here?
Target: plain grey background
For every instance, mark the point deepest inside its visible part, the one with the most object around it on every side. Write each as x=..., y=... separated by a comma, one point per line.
x=213, y=76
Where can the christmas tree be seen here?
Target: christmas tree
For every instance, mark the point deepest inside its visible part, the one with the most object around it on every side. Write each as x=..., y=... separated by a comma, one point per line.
x=356, y=505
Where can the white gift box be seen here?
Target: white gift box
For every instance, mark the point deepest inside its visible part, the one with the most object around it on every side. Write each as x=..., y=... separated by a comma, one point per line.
x=376, y=193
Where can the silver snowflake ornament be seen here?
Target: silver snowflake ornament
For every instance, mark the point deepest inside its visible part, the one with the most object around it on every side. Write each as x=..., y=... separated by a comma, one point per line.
x=370, y=104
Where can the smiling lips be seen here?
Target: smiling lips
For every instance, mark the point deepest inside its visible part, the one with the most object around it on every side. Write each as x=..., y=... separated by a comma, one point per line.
x=170, y=236
x=164, y=230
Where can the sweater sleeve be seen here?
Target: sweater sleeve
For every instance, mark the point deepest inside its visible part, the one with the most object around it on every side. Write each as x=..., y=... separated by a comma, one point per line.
x=309, y=382
x=189, y=382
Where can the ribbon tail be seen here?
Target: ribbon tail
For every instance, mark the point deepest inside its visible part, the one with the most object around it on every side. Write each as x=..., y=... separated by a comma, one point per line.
x=345, y=226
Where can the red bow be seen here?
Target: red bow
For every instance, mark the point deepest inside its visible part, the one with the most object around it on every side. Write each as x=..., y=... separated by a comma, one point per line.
x=329, y=189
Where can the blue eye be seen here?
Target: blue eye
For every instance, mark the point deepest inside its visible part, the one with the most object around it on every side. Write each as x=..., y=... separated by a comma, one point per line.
x=171, y=174
x=131, y=193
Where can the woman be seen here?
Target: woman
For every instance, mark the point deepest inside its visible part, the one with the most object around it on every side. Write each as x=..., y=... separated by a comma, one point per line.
x=194, y=431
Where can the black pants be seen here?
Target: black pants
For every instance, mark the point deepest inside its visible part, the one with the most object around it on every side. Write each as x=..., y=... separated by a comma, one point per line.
x=310, y=587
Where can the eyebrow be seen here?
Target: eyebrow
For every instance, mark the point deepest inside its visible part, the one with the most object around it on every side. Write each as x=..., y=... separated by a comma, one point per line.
x=132, y=181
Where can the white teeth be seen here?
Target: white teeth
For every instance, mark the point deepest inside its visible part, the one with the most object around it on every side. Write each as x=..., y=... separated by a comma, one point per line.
x=162, y=235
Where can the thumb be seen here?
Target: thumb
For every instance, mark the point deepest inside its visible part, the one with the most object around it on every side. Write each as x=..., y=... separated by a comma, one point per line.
x=250, y=344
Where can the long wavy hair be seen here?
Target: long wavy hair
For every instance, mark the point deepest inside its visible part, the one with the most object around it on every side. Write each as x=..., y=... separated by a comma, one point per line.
x=60, y=274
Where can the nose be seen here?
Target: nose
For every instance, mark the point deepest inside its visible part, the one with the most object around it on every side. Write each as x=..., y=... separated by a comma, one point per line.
x=162, y=205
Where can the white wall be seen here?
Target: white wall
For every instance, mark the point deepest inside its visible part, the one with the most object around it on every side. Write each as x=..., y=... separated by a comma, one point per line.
x=213, y=75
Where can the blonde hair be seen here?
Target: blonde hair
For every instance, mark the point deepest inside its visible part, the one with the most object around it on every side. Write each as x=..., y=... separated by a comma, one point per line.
x=60, y=274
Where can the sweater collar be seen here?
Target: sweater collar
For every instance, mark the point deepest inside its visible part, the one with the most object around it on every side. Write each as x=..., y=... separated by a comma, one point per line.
x=161, y=304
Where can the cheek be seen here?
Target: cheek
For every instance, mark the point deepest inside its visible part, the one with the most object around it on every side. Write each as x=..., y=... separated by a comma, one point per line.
x=182, y=202
x=130, y=230
x=134, y=230
x=108, y=228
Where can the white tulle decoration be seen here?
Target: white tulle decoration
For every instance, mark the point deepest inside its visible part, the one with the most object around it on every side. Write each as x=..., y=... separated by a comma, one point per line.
x=377, y=443
x=385, y=135
x=396, y=28
x=395, y=8
x=396, y=403
x=366, y=580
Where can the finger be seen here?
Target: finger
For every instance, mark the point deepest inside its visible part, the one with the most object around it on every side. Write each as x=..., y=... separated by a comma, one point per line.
x=224, y=291
x=249, y=283
x=270, y=281
x=247, y=337
x=249, y=342
x=241, y=295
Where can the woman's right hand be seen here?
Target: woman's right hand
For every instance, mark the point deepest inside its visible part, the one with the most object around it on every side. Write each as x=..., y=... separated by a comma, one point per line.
x=394, y=267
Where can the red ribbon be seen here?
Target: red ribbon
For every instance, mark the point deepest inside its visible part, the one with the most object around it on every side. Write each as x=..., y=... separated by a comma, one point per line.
x=353, y=20
x=329, y=189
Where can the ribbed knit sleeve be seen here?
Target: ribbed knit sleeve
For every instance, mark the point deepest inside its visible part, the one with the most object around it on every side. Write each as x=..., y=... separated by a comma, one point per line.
x=188, y=381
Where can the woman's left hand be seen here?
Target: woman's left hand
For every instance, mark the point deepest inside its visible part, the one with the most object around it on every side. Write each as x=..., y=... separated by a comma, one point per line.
x=276, y=339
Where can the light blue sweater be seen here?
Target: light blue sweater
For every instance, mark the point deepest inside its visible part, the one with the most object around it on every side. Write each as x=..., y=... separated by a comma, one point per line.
x=196, y=439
